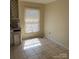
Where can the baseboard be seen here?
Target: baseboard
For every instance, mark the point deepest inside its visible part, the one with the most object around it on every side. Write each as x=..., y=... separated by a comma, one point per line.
x=60, y=44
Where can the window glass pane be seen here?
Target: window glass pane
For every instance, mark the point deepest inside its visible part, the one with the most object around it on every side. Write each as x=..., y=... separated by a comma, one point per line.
x=28, y=28
x=36, y=27
x=32, y=14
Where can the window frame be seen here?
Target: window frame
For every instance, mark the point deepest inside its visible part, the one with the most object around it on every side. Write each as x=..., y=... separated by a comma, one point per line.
x=39, y=20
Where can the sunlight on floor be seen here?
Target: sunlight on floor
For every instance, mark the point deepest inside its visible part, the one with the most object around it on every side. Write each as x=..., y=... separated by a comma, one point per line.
x=32, y=43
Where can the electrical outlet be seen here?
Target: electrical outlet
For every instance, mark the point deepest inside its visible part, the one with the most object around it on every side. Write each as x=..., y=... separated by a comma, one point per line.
x=49, y=33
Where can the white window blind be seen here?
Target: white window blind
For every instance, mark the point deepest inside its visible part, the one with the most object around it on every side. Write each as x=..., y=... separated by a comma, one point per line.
x=32, y=20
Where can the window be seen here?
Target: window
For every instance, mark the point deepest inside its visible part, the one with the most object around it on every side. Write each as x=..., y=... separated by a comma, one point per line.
x=32, y=20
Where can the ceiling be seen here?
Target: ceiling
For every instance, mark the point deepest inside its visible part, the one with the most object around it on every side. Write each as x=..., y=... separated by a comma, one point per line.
x=39, y=1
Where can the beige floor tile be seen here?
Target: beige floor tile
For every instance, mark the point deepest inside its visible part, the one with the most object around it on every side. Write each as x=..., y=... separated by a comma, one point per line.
x=38, y=48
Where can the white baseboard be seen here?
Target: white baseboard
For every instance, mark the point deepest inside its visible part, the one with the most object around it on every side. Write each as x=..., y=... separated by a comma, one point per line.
x=60, y=44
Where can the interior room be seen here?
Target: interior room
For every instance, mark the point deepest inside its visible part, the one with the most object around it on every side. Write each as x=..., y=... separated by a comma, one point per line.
x=39, y=29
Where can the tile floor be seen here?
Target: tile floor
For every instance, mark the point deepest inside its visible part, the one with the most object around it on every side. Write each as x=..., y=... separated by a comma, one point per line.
x=38, y=48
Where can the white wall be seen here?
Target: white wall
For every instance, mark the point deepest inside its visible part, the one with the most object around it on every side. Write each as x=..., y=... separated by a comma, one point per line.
x=56, y=22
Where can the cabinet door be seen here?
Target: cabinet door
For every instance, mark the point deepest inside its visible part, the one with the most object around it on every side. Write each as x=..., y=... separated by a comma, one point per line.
x=16, y=39
x=11, y=38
